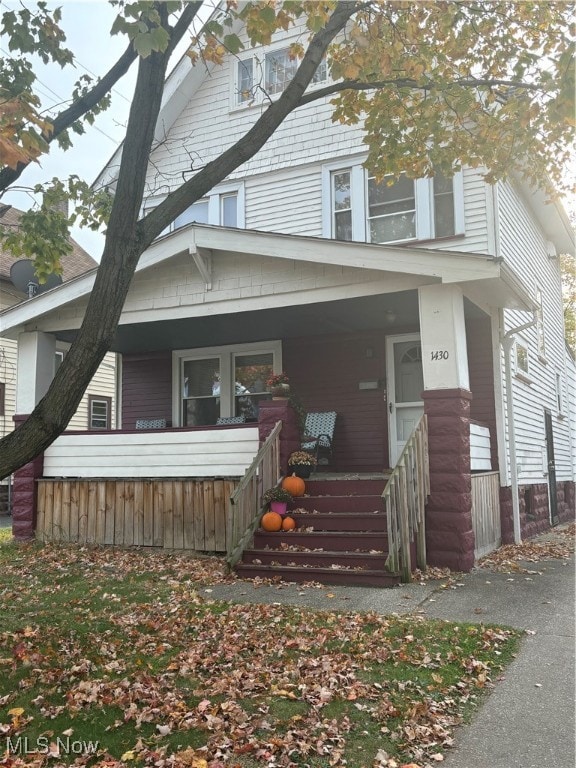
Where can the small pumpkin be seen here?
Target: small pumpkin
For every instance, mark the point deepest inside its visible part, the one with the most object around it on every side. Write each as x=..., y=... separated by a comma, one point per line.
x=288, y=523
x=294, y=485
x=271, y=521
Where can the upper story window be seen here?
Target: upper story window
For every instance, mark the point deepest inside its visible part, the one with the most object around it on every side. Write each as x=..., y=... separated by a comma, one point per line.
x=222, y=207
x=258, y=77
x=358, y=207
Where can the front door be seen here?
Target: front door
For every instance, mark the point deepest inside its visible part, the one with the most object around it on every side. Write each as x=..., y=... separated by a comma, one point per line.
x=552, y=490
x=405, y=383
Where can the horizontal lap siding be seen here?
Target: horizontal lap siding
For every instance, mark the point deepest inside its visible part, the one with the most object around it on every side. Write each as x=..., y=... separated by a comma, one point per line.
x=146, y=388
x=281, y=202
x=325, y=372
x=224, y=452
x=524, y=246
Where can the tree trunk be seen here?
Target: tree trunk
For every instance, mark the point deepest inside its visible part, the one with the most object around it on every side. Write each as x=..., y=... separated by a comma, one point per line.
x=127, y=239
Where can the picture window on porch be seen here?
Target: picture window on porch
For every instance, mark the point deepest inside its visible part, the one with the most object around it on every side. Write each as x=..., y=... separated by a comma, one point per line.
x=224, y=381
x=358, y=207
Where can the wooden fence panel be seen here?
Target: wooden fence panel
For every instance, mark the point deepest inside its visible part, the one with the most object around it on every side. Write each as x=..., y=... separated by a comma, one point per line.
x=486, y=513
x=175, y=514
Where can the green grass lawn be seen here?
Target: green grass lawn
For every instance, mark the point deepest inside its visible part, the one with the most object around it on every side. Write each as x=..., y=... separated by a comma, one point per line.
x=119, y=648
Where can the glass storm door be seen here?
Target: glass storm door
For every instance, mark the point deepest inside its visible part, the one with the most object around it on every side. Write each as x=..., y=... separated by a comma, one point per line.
x=405, y=383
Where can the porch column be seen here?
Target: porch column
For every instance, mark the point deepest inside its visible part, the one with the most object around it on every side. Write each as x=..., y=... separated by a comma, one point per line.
x=447, y=396
x=36, y=353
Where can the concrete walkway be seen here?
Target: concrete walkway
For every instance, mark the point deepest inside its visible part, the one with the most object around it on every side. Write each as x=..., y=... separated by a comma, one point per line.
x=528, y=720
x=5, y=521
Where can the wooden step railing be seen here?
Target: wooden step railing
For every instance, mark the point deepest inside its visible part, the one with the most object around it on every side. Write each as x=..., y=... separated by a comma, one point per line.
x=246, y=505
x=405, y=499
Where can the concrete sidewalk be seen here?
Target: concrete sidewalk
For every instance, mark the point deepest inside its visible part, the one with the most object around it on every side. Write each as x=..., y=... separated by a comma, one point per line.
x=528, y=720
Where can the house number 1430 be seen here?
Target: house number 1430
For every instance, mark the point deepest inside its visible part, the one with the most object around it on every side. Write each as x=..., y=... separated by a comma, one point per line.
x=440, y=354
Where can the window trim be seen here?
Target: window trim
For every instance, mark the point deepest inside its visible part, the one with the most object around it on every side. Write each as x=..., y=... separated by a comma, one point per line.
x=521, y=373
x=540, y=332
x=100, y=399
x=226, y=355
x=424, y=193
x=214, y=198
x=260, y=96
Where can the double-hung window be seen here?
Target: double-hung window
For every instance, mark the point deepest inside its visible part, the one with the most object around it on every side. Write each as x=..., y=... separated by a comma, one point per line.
x=358, y=207
x=99, y=412
x=223, y=382
x=222, y=207
x=258, y=77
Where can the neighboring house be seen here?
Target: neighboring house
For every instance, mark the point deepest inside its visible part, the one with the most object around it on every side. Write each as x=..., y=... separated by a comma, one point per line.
x=380, y=302
x=97, y=406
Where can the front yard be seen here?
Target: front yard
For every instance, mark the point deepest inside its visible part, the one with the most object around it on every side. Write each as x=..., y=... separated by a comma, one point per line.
x=112, y=657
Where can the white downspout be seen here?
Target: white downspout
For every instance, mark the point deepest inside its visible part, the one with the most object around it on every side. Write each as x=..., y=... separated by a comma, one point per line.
x=507, y=342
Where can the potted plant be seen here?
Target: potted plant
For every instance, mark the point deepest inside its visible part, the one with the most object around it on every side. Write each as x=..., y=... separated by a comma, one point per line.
x=301, y=463
x=278, y=385
x=277, y=499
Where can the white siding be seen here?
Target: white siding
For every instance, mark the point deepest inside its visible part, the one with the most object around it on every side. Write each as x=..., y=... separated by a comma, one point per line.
x=523, y=245
x=286, y=201
x=283, y=187
x=201, y=453
x=103, y=384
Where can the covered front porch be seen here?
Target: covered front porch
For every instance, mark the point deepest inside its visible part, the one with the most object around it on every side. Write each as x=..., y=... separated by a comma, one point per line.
x=377, y=334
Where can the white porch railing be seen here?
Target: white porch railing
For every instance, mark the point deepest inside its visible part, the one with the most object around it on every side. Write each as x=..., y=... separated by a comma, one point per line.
x=405, y=499
x=486, y=513
x=246, y=505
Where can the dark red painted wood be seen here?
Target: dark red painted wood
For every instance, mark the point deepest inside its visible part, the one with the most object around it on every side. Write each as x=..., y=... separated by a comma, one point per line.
x=146, y=388
x=325, y=372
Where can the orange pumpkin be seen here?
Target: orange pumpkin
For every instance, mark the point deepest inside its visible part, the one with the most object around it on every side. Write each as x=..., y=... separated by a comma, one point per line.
x=288, y=523
x=294, y=485
x=271, y=521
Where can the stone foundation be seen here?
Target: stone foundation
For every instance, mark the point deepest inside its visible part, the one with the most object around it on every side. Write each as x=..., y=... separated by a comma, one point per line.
x=534, y=509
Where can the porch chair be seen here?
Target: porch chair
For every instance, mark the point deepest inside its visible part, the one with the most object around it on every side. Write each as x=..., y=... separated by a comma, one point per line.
x=319, y=435
x=231, y=420
x=150, y=423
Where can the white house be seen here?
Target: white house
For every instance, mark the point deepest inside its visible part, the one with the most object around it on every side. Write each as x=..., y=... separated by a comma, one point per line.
x=438, y=296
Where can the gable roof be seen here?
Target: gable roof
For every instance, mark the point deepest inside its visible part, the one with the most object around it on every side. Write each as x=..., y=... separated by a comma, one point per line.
x=77, y=263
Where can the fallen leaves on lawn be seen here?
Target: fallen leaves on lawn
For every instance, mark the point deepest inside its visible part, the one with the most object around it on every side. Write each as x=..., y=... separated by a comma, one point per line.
x=173, y=662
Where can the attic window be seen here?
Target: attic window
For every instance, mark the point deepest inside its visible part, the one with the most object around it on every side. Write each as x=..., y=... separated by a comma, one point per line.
x=256, y=78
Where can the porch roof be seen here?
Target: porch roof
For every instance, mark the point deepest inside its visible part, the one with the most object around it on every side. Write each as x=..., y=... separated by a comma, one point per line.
x=480, y=275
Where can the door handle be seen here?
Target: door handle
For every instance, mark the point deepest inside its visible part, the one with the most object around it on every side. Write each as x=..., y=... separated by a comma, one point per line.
x=390, y=407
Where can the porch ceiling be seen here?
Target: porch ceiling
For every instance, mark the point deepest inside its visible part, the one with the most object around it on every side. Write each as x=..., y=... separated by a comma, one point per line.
x=390, y=313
